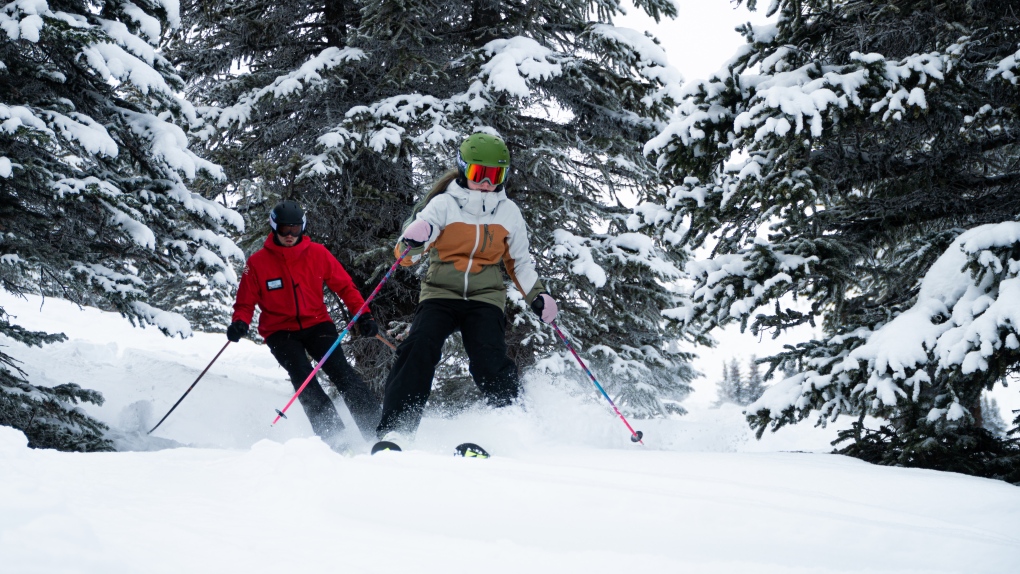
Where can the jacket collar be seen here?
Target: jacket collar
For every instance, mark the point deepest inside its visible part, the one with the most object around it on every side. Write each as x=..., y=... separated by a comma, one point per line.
x=476, y=202
x=288, y=253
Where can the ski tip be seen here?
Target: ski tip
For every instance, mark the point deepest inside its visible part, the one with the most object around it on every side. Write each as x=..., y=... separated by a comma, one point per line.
x=385, y=445
x=470, y=450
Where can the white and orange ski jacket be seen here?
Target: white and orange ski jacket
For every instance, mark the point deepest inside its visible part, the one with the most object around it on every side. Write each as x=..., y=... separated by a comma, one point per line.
x=472, y=231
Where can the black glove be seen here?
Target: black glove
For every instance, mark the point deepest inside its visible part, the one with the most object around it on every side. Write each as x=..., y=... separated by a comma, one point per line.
x=236, y=330
x=366, y=326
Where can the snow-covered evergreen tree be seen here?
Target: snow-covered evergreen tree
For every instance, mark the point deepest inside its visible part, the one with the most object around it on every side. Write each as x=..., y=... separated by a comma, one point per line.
x=728, y=389
x=94, y=205
x=991, y=417
x=737, y=389
x=354, y=108
x=755, y=385
x=856, y=165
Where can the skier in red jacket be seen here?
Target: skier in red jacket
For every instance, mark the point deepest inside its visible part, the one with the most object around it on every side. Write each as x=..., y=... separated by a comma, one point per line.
x=285, y=280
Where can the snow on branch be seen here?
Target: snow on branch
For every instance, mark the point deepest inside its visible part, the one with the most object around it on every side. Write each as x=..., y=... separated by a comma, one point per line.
x=573, y=247
x=732, y=286
x=227, y=248
x=197, y=204
x=787, y=101
x=112, y=62
x=110, y=281
x=131, y=43
x=639, y=249
x=136, y=230
x=170, y=323
x=967, y=310
x=517, y=61
x=652, y=62
x=1007, y=68
x=22, y=19
x=169, y=143
x=286, y=85
x=91, y=135
x=387, y=119
x=76, y=186
x=149, y=26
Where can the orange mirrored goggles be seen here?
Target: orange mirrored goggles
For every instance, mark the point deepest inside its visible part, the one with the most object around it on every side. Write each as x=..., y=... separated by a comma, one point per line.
x=479, y=173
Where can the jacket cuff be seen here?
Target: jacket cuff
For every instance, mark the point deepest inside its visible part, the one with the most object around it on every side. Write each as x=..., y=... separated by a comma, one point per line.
x=412, y=257
x=534, y=293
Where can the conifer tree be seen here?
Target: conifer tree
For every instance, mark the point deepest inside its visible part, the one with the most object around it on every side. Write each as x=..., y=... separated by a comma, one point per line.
x=991, y=417
x=354, y=108
x=94, y=205
x=729, y=389
x=877, y=184
x=755, y=385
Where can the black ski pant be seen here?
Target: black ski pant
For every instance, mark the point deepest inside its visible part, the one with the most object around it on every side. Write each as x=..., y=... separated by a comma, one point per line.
x=482, y=326
x=292, y=348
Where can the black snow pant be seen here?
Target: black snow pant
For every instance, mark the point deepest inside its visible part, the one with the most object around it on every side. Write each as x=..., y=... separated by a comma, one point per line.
x=291, y=349
x=482, y=326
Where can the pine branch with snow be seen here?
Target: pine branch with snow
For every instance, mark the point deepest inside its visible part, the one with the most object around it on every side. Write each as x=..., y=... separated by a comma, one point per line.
x=95, y=163
x=848, y=163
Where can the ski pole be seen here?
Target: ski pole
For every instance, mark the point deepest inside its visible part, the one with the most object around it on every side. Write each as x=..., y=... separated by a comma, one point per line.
x=383, y=338
x=379, y=336
x=281, y=413
x=635, y=436
x=189, y=388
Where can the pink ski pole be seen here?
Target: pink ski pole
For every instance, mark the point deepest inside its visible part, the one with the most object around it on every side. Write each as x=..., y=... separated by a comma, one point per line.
x=281, y=413
x=635, y=436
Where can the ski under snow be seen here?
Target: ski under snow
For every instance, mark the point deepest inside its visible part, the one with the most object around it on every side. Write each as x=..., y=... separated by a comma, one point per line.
x=466, y=449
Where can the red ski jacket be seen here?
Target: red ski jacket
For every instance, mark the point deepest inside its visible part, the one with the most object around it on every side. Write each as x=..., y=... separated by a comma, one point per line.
x=286, y=284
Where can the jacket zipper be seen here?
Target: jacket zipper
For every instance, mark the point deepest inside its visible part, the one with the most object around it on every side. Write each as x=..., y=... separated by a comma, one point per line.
x=471, y=258
x=297, y=306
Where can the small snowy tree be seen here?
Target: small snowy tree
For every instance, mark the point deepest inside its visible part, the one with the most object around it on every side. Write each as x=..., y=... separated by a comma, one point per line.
x=755, y=385
x=728, y=390
x=856, y=165
x=991, y=417
x=93, y=201
x=737, y=389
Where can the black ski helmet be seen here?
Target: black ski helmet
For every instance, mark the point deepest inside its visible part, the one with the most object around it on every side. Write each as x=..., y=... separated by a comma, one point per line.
x=287, y=213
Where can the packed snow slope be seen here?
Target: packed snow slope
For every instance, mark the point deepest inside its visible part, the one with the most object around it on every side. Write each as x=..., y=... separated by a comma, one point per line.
x=218, y=489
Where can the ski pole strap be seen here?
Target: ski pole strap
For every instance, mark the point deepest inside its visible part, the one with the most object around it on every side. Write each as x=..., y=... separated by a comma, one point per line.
x=202, y=374
x=635, y=436
x=281, y=413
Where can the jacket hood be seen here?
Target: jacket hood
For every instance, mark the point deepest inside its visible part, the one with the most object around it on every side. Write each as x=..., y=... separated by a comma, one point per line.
x=287, y=252
x=476, y=202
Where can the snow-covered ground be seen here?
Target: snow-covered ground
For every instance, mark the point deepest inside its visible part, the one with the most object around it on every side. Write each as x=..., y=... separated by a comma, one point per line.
x=218, y=489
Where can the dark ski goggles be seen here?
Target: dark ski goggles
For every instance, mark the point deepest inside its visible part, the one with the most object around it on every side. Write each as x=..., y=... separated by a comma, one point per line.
x=289, y=230
x=479, y=173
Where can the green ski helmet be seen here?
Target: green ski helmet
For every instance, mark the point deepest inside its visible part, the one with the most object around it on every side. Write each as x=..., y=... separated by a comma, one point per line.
x=484, y=157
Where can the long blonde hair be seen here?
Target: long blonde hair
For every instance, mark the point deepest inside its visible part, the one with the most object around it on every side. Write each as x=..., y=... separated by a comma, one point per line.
x=439, y=186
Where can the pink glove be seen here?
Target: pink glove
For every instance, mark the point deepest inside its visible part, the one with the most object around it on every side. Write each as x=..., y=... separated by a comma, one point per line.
x=545, y=307
x=417, y=233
